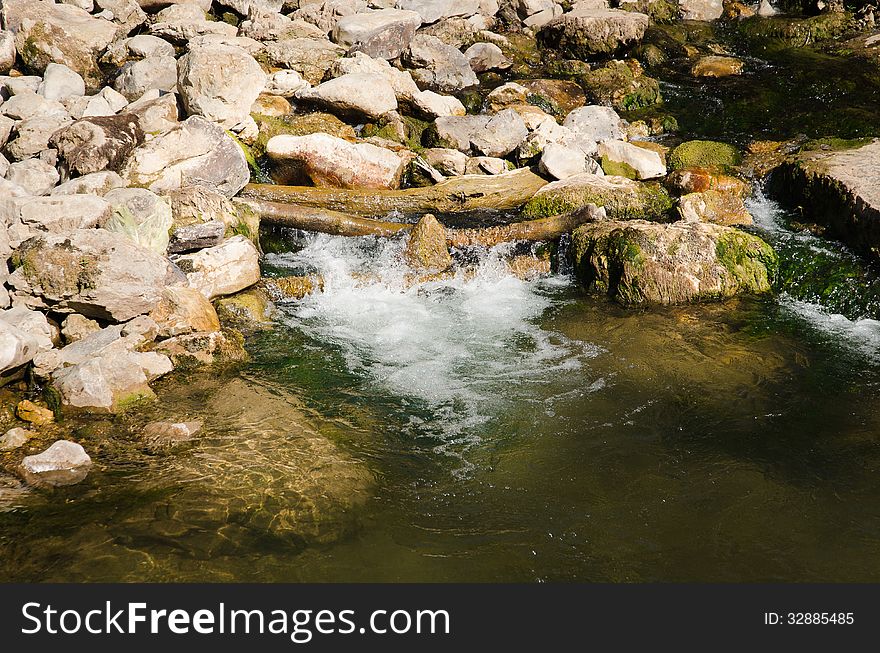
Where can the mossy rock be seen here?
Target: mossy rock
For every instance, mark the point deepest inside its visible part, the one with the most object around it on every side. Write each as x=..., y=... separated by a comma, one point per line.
x=414, y=128
x=622, y=85
x=660, y=11
x=310, y=123
x=704, y=154
x=640, y=262
x=247, y=310
x=623, y=198
x=798, y=32
x=618, y=168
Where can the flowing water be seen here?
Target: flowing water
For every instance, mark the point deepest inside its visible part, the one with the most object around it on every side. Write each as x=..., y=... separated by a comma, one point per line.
x=486, y=428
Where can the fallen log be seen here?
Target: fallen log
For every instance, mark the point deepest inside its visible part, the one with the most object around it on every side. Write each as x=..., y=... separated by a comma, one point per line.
x=454, y=195
x=343, y=224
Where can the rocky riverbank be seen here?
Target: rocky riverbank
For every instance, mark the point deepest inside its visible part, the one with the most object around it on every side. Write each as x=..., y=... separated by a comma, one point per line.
x=131, y=132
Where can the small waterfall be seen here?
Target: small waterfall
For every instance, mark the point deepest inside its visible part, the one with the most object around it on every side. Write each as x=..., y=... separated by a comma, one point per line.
x=823, y=283
x=456, y=350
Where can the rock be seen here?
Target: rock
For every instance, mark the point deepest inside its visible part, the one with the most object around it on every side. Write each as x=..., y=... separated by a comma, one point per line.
x=622, y=85
x=250, y=309
x=7, y=51
x=17, y=348
x=222, y=270
x=199, y=349
x=141, y=216
x=97, y=143
x=27, y=104
x=324, y=14
x=439, y=67
x=562, y=162
x=285, y=83
x=622, y=198
x=836, y=184
x=426, y=249
x=184, y=310
x=91, y=271
x=63, y=463
x=627, y=160
x=111, y=382
x=219, y=82
x=433, y=10
x=156, y=114
x=162, y=435
x=76, y=327
x=586, y=31
x=60, y=82
x=698, y=180
x=456, y=132
x=201, y=205
x=715, y=66
x=28, y=411
x=714, y=206
x=96, y=183
x=638, y=262
x=196, y=152
x=485, y=165
x=704, y=154
x=32, y=136
x=334, y=162
x=141, y=46
x=310, y=57
x=61, y=214
x=184, y=22
x=701, y=9
x=486, y=56
x=766, y=10
x=33, y=175
x=502, y=134
x=595, y=124
x=548, y=131
x=433, y=105
x=385, y=33
x=63, y=34
x=354, y=94
x=15, y=438
x=448, y=162
x=558, y=97
x=158, y=72
x=127, y=13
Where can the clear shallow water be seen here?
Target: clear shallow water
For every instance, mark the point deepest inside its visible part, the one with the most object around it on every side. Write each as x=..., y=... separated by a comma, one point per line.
x=486, y=428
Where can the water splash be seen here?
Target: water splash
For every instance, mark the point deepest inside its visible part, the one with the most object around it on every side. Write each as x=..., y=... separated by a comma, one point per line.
x=457, y=351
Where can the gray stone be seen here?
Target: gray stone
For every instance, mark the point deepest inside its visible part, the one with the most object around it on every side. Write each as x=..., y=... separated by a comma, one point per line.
x=439, y=67
x=310, y=57
x=356, y=94
x=595, y=124
x=32, y=136
x=7, y=51
x=155, y=72
x=60, y=82
x=156, y=113
x=385, y=33
x=195, y=152
x=456, y=132
x=15, y=438
x=447, y=161
x=486, y=56
x=162, y=435
x=502, y=134
x=183, y=22
x=561, y=162
x=705, y=10
x=585, y=31
x=33, y=175
x=96, y=183
x=76, y=327
x=28, y=104
x=63, y=213
x=63, y=463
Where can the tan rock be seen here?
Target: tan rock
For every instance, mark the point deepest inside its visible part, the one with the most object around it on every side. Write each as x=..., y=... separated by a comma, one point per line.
x=426, y=249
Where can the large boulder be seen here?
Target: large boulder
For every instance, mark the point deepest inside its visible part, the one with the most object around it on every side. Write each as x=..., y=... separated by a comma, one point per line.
x=219, y=82
x=97, y=143
x=222, y=270
x=62, y=33
x=195, y=152
x=623, y=199
x=63, y=463
x=334, y=162
x=358, y=94
x=384, y=33
x=585, y=31
x=91, y=271
x=639, y=262
x=60, y=82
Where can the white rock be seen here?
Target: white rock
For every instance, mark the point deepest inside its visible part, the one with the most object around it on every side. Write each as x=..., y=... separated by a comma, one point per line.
x=7, y=51
x=96, y=183
x=222, y=270
x=486, y=56
x=15, y=438
x=285, y=83
x=360, y=94
x=647, y=163
x=435, y=105
x=562, y=162
x=334, y=162
x=137, y=77
x=705, y=10
x=64, y=463
x=502, y=134
x=595, y=124
x=62, y=213
x=60, y=82
x=219, y=82
x=35, y=176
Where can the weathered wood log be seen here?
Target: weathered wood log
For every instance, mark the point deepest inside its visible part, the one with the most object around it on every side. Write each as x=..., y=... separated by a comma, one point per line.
x=455, y=195
x=342, y=224
x=529, y=230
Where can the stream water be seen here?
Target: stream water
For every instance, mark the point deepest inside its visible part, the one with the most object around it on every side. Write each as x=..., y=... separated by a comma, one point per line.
x=485, y=428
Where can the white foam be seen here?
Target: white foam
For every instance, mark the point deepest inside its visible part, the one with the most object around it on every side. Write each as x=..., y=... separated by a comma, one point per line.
x=463, y=348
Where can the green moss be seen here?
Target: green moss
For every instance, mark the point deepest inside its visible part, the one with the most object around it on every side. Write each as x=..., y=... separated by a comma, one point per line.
x=704, y=154
x=543, y=206
x=834, y=144
x=133, y=400
x=621, y=84
x=618, y=168
x=749, y=260
x=660, y=11
x=642, y=201
x=798, y=32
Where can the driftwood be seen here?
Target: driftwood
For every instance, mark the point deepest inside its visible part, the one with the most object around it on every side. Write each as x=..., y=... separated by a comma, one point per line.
x=342, y=224
x=454, y=195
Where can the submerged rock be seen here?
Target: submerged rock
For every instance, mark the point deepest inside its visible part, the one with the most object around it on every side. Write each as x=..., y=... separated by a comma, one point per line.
x=714, y=206
x=623, y=199
x=638, y=262
x=715, y=66
x=28, y=411
x=63, y=463
x=15, y=438
x=161, y=435
x=622, y=85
